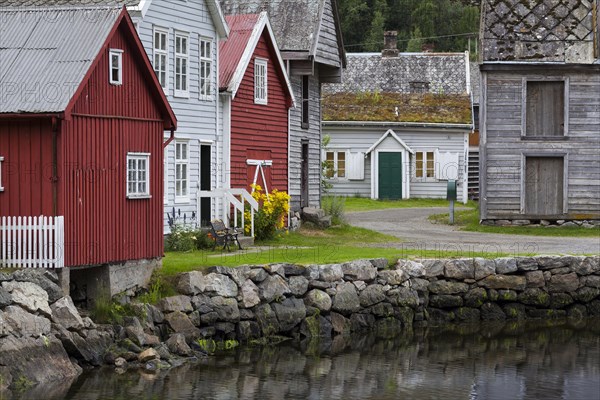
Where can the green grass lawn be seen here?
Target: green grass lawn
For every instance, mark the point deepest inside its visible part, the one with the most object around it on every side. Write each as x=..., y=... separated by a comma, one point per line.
x=309, y=246
x=357, y=204
x=468, y=220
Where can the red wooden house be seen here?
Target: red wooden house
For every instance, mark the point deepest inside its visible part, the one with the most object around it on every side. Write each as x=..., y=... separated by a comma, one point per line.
x=257, y=97
x=82, y=119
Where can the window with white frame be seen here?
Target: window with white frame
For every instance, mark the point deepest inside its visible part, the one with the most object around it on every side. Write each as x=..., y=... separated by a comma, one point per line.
x=138, y=175
x=1, y=187
x=260, y=81
x=335, y=164
x=425, y=164
x=182, y=55
x=206, y=68
x=161, y=56
x=115, y=67
x=182, y=162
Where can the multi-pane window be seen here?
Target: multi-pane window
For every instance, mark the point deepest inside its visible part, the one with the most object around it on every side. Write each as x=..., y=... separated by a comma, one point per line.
x=138, y=177
x=1, y=187
x=181, y=65
x=335, y=164
x=205, y=69
x=260, y=81
x=545, y=109
x=425, y=164
x=182, y=162
x=161, y=56
x=115, y=66
x=305, y=102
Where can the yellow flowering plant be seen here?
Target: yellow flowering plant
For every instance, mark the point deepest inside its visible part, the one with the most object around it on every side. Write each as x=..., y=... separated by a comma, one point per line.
x=270, y=218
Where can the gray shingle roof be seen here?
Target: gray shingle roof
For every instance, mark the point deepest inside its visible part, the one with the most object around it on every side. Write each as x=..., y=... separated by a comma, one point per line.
x=67, y=3
x=294, y=22
x=475, y=82
x=535, y=31
x=45, y=54
x=370, y=72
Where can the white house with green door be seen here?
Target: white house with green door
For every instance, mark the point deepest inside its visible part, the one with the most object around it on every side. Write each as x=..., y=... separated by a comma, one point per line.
x=399, y=126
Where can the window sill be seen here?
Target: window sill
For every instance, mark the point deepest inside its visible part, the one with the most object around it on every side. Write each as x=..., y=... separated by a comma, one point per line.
x=1, y=189
x=544, y=138
x=182, y=200
x=206, y=98
x=139, y=196
x=182, y=95
x=261, y=102
x=116, y=83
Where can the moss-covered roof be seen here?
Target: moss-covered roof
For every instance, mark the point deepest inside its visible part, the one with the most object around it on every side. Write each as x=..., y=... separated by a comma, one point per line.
x=397, y=107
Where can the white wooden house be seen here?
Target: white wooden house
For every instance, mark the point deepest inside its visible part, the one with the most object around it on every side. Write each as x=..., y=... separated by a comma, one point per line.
x=399, y=125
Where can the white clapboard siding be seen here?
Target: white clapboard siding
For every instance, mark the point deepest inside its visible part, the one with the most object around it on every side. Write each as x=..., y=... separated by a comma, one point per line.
x=447, y=164
x=355, y=168
x=32, y=242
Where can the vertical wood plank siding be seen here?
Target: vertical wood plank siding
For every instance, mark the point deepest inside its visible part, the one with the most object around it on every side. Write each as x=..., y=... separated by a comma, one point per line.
x=27, y=168
x=101, y=224
x=260, y=127
x=505, y=150
x=327, y=49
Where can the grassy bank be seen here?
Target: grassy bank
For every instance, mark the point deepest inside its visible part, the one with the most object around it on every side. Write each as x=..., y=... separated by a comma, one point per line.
x=358, y=204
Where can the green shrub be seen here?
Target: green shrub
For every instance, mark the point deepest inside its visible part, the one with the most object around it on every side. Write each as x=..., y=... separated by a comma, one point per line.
x=186, y=239
x=159, y=288
x=335, y=207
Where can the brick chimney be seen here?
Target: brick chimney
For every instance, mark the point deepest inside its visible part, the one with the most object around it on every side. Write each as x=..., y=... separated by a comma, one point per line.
x=390, y=48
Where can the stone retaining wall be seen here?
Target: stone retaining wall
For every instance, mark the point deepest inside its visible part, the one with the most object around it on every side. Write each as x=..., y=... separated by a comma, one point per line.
x=250, y=302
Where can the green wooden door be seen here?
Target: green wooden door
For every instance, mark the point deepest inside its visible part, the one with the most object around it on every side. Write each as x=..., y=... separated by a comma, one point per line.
x=390, y=175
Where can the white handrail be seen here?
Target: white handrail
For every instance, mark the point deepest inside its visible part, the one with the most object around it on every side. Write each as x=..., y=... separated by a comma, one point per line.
x=230, y=199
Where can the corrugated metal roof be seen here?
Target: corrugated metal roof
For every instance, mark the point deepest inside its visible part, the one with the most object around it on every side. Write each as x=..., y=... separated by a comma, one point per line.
x=45, y=54
x=231, y=50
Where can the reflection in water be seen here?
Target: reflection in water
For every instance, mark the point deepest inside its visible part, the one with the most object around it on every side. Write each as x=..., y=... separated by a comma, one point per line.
x=509, y=361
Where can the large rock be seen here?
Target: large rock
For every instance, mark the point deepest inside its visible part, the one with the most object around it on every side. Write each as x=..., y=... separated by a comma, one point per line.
x=273, y=288
x=403, y=297
x=257, y=275
x=411, y=268
x=460, y=269
x=5, y=298
x=226, y=308
x=238, y=274
x=346, y=300
x=250, y=297
x=65, y=313
x=28, y=295
x=527, y=264
x=433, y=268
x=289, y=313
x=506, y=265
x=298, y=285
x=445, y=301
x=247, y=330
x=360, y=270
x=392, y=277
x=475, y=298
x=177, y=345
x=535, y=279
x=148, y=355
x=586, y=294
x=448, y=287
x=340, y=324
x=47, y=280
x=88, y=350
x=534, y=297
x=484, y=267
x=267, y=320
x=26, y=324
x=175, y=303
x=330, y=273
x=587, y=266
x=195, y=282
x=180, y=323
x=492, y=312
x=552, y=262
x=318, y=299
x=563, y=283
x=373, y=294
x=514, y=282
x=316, y=326
x=39, y=360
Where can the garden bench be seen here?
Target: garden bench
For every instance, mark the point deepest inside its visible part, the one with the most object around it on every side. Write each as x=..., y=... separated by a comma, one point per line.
x=223, y=235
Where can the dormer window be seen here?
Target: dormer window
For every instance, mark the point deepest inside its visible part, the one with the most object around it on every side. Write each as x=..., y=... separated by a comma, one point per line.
x=115, y=72
x=260, y=81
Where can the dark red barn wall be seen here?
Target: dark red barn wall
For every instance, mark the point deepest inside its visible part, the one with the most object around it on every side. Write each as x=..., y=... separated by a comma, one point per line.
x=260, y=129
x=26, y=146
x=101, y=224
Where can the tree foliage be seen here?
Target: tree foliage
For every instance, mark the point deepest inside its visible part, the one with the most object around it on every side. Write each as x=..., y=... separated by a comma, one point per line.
x=435, y=23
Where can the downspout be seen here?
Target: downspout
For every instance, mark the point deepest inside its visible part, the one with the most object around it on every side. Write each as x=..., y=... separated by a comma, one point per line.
x=54, y=178
x=170, y=139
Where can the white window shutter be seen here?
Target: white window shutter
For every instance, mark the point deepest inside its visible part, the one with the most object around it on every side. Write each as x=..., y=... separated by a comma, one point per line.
x=355, y=165
x=447, y=165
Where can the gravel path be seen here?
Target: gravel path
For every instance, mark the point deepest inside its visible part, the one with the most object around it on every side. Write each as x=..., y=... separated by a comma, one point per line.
x=412, y=226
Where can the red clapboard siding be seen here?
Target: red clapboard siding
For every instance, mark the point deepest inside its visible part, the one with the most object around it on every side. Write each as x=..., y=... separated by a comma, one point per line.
x=27, y=168
x=101, y=224
x=260, y=129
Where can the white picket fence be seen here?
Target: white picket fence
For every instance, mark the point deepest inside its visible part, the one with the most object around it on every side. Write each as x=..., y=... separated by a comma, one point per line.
x=32, y=242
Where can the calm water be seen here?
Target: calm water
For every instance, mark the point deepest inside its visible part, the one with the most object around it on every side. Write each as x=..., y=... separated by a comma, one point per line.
x=485, y=362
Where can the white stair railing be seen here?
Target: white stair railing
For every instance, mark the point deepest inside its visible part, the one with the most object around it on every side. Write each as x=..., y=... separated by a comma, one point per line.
x=236, y=198
x=32, y=242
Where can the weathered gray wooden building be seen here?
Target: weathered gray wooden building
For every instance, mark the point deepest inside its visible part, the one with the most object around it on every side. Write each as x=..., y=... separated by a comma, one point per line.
x=309, y=37
x=399, y=125
x=540, y=111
